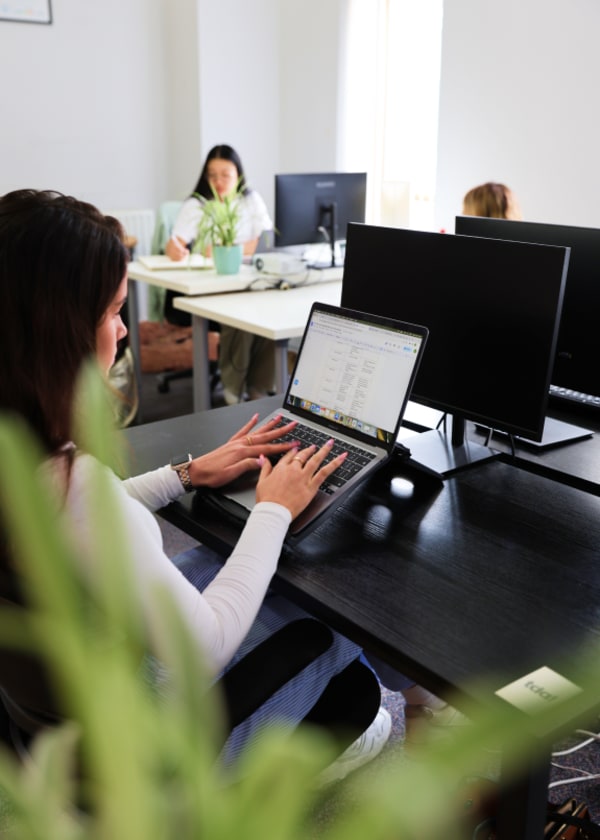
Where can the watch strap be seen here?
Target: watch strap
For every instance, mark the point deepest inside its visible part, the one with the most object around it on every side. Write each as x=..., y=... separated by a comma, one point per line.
x=181, y=465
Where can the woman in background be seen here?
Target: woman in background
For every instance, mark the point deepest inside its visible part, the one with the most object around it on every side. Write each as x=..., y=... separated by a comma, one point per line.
x=246, y=361
x=492, y=200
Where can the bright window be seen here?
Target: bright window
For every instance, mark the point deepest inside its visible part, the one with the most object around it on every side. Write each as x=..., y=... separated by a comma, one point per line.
x=389, y=111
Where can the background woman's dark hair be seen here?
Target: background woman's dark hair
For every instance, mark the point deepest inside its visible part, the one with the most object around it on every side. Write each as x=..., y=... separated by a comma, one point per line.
x=222, y=152
x=61, y=264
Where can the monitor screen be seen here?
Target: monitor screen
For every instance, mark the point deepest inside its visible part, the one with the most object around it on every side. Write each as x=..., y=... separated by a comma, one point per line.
x=317, y=207
x=492, y=309
x=578, y=348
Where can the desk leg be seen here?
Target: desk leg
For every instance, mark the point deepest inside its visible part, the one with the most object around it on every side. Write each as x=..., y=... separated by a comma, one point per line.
x=134, y=341
x=201, y=364
x=523, y=803
x=281, y=365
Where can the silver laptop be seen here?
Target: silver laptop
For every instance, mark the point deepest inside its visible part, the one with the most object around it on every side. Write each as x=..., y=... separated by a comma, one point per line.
x=351, y=381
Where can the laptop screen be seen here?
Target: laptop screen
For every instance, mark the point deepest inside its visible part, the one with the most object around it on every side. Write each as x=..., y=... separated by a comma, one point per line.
x=355, y=371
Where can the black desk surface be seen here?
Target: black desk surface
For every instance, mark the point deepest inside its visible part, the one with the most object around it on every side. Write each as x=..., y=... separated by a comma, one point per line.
x=464, y=586
x=494, y=573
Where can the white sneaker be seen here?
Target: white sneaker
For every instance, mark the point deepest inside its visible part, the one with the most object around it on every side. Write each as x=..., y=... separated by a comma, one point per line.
x=425, y=726
x=230, y=398
x=363, y=750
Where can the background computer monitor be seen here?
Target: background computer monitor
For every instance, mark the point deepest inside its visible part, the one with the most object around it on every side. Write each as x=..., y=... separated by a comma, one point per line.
x=317, y=207
x=578, y=349
x=492, y=308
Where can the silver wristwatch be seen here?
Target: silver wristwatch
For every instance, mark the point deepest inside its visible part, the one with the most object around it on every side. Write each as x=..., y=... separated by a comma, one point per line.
x=181, y=465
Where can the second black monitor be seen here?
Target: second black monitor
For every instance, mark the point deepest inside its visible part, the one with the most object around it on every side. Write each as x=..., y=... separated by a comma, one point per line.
x=578, y=349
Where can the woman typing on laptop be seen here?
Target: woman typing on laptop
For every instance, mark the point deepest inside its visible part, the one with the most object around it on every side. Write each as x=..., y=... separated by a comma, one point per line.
x=64, y=279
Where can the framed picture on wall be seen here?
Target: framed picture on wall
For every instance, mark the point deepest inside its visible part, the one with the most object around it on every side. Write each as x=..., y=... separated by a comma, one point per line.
x=26, y=11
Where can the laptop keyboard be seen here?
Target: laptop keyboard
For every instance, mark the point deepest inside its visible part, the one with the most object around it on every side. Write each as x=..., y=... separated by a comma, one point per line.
x=356, y=460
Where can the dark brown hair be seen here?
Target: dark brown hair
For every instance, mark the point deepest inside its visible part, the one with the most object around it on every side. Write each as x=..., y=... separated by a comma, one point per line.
x=221, y=152
x=61, y=264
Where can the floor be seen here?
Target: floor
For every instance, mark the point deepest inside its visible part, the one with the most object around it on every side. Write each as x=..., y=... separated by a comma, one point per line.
x=582, y=764
x=178, y=400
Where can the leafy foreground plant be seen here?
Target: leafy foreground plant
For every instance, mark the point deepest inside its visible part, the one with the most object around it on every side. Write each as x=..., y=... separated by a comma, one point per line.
x=147, y=768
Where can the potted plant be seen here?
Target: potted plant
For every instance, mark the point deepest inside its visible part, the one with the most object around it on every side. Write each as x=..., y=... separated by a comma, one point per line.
x=218, y=228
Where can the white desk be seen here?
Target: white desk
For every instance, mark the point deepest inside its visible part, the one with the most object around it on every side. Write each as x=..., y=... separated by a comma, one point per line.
x=199, y=281
x=186, y=281
x=183, y=281
x=276, y=314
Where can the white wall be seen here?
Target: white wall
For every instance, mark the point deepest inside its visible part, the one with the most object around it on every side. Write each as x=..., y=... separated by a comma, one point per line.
x=310, y=62
x=179, y=111
x=239, y=85
x=118, y=102
x=518, y=104
x=80, y=101
x=269, y=84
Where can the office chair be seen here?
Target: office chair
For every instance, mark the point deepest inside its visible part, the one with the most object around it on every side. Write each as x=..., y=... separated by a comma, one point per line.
x=165, y=219
x=162, y=301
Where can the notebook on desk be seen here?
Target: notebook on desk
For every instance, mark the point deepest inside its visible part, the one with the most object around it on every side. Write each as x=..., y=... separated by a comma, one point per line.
x=160, y=262
x=351, y=381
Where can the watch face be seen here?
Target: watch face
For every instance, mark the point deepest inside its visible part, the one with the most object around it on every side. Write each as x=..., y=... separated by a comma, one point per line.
x=181, y=460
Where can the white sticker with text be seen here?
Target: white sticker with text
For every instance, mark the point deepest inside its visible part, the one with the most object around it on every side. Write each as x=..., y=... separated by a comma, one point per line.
x=538, y=690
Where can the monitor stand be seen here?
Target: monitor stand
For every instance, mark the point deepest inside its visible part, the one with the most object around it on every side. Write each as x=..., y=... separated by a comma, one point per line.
x=327, y=225
x=556, y=433
x=446, y=454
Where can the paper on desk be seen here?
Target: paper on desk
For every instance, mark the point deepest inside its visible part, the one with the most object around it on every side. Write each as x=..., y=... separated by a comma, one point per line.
x=157, y=262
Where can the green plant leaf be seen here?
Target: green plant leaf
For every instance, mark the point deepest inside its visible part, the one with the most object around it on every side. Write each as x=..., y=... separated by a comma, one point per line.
x=219, y=221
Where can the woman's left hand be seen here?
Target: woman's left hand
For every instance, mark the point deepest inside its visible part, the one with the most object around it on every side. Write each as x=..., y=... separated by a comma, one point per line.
x=244, y=451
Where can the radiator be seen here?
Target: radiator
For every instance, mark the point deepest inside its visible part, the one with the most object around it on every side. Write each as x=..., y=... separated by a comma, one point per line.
x=138, y=223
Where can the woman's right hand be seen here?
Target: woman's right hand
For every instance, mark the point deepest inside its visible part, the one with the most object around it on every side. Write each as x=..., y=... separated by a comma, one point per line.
x=293, y=482
x=176, y=249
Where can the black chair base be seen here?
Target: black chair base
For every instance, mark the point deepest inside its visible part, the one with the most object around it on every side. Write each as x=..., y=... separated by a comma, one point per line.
x=163, y=380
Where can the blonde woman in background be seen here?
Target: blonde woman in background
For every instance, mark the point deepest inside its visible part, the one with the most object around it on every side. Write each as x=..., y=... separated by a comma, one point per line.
x=492, y=200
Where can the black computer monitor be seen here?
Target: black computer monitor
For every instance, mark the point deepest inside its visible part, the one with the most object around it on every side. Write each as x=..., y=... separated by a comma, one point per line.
x=578, y=350
x=492, y=308
x=317, y=207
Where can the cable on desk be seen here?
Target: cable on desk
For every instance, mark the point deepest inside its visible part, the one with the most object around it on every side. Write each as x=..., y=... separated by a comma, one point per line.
x=284, y=281
x=274, y=283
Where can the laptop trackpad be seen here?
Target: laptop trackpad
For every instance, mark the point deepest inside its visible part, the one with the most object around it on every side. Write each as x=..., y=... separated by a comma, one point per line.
x=239, y=498
x=242, y=490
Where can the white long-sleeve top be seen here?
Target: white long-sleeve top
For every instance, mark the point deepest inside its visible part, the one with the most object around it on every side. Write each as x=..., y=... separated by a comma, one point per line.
x=253, y=220
x=218, y=618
